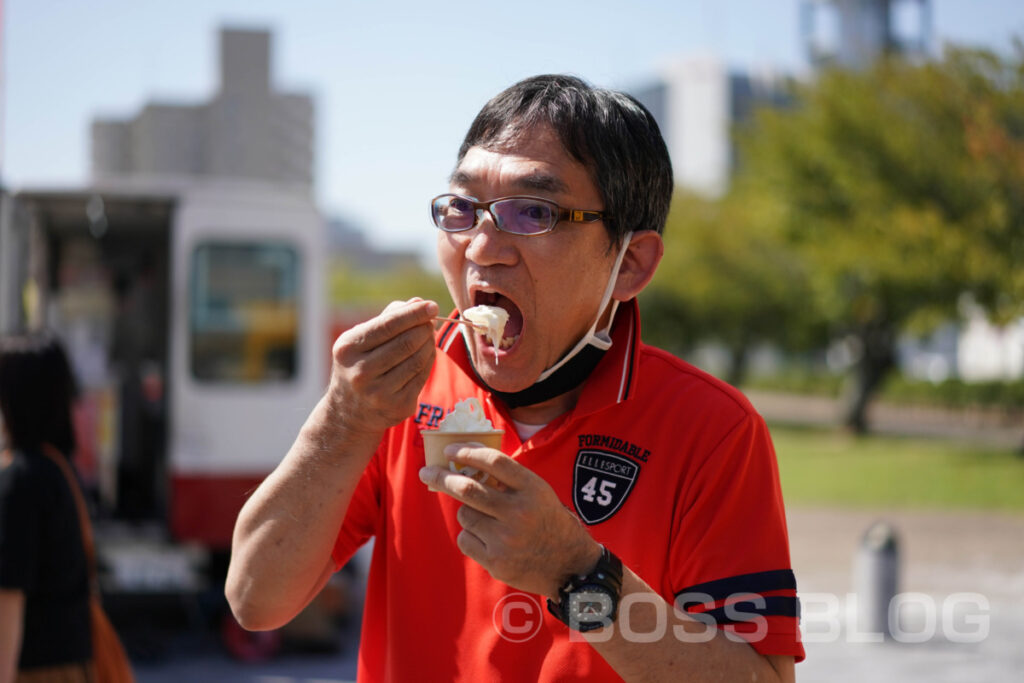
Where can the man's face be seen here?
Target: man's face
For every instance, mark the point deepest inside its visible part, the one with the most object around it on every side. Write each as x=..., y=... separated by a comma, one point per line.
x=550, y=284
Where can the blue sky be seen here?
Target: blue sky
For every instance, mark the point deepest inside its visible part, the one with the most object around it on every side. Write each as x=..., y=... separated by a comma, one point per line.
x=385, y=140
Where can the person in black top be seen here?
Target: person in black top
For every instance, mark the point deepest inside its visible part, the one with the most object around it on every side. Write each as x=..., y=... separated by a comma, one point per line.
x=44, y=581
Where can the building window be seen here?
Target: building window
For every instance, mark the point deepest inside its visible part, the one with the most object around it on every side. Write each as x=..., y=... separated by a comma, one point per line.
x=244, y=312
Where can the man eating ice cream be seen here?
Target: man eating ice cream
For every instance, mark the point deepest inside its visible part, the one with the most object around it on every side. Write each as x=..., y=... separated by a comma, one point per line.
x=638, y=532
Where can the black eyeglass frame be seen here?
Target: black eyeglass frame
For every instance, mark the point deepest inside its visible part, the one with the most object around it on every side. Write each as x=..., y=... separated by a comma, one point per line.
x=568, y=215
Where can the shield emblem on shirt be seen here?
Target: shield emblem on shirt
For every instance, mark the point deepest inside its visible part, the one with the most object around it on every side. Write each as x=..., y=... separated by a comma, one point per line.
x=600, y=483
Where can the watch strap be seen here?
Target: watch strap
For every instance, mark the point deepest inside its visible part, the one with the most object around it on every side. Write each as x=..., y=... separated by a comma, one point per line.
x=606, y=574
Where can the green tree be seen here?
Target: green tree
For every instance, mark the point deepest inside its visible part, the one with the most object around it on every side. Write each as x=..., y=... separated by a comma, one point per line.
x=728, y=276
x=902, y=189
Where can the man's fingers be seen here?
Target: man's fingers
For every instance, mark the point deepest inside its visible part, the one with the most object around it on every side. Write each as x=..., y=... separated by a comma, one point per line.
x=380, y=365
x=463, y=488
x=396, y=352
x=393, y=305
x=395, y=319
x=479, y=523
x=416, y=370
x=471, y=545
x=368, y=353
x=491, y=461
x=405, y=316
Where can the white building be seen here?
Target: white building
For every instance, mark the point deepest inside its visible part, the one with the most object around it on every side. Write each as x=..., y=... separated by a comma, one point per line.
x=853, y=33
x=990, y=352
x=697, y=101
x=247, y=130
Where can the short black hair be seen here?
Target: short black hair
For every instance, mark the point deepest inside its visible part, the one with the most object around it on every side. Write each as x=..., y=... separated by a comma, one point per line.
x=609, y=132
x=37, y=391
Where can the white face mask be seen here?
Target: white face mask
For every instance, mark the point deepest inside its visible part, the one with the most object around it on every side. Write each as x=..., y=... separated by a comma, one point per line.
x=599, y=339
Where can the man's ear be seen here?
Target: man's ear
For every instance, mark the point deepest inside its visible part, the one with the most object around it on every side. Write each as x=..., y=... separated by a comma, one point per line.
x=638, y=265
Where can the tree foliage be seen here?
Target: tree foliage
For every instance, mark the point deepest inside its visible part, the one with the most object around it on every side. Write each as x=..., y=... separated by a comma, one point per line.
x=871, y=206
x=727, y=276
x=903, y=186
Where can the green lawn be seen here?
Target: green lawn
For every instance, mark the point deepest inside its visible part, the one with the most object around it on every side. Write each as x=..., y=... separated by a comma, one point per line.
x=832, y=467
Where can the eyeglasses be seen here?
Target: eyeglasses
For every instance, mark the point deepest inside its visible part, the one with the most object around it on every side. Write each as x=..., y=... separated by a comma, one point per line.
x=517, y=215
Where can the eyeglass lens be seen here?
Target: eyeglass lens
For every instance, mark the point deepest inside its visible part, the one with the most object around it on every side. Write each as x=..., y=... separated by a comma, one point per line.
x=519, y=215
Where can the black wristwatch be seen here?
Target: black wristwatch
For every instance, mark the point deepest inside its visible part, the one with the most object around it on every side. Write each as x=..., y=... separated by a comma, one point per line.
x=590, y=601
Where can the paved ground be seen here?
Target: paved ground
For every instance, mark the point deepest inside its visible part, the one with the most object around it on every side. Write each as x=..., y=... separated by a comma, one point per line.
x=943, y=554
x=983, y=427
x=197, y=657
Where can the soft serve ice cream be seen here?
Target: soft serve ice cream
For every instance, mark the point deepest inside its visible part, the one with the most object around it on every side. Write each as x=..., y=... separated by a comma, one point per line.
x=466, y=423
x=492, y=319
x=466, y=416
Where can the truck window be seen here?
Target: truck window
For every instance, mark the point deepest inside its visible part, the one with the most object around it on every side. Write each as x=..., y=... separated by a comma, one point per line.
x=244, y=312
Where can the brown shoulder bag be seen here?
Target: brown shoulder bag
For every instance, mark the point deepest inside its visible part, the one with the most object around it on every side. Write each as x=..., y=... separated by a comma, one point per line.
x=109, y=658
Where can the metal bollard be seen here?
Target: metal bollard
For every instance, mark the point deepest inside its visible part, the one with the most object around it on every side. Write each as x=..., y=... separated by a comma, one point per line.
x=876, y=578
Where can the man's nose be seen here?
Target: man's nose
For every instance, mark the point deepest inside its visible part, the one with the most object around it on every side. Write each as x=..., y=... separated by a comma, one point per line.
x=488, y=245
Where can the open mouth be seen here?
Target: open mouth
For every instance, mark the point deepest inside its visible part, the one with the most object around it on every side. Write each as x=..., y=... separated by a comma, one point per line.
x=514, y=326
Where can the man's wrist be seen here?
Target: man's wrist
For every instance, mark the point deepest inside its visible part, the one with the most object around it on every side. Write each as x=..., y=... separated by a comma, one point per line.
x=330, y=431
x=584, y=562
x=589, y=601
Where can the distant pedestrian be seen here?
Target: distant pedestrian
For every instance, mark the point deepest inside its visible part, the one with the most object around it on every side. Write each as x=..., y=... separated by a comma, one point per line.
x=44, y=579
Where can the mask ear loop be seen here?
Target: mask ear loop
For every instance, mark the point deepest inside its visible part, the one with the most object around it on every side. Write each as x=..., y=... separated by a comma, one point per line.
x=602, y=340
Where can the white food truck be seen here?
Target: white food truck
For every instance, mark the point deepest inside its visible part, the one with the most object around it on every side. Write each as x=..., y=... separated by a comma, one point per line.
x=194, y=316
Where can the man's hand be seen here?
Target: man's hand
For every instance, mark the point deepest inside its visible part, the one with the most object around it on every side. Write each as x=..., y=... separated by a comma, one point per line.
x=519, y=532
x=381, y=365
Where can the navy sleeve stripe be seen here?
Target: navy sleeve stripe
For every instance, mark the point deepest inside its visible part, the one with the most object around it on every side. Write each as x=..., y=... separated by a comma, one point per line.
x=757, y=582
x=748, y=610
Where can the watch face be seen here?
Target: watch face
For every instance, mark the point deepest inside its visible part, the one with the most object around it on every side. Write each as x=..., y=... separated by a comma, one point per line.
x=590, y=604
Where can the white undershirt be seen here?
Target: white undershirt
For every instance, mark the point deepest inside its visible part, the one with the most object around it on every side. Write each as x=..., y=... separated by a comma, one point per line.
x=525, y=431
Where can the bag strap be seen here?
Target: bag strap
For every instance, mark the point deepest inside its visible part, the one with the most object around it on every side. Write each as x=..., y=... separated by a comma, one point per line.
x=83, y=512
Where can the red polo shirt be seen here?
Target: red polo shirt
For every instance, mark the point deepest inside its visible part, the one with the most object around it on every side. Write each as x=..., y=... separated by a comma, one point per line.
x=668, y=467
